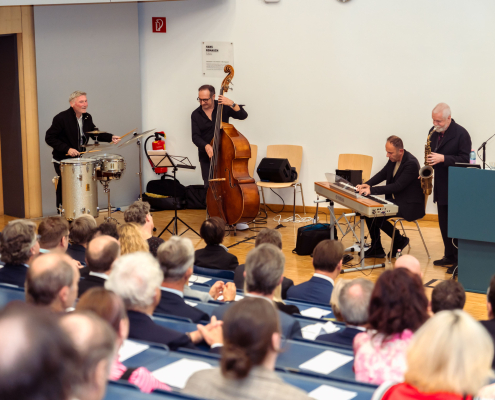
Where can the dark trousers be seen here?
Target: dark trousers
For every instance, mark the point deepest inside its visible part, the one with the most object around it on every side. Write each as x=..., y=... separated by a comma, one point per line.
x=381, y=223
x=443, y=218
x=59, y=186
x=205, y=171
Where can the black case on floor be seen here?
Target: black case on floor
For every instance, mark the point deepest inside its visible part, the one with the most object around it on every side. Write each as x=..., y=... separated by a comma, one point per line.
x=310, y=235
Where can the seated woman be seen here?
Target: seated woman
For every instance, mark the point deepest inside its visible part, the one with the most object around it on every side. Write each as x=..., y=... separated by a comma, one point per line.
x=215, y=255
x=449, y=359
x=398, y=307
x=251, y=334
x=110, y=307
x=131, y=240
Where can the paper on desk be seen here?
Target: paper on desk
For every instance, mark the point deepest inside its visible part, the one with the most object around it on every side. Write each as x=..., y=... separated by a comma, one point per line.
x=315, y=312
x=190, y=303
x=325, y=392
x=177, y=373
x=198, y=279
x=326, y=362
x=237, y=297
x=311, y=332
x=130, y=349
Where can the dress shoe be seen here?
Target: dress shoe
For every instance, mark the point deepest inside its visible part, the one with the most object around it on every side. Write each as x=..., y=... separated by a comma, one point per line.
x=452, y=270
x=399, y=245
x=373, y=252
x=444, y=261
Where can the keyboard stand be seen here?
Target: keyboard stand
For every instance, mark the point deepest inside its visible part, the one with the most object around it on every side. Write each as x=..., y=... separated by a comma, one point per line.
x=351, y=228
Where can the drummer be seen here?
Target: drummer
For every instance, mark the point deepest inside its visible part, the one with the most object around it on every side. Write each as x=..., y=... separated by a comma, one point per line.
x=69, y=134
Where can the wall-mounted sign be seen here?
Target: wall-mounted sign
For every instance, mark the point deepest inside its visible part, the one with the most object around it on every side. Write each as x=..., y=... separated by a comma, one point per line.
x=216, y=55
x=159, y=24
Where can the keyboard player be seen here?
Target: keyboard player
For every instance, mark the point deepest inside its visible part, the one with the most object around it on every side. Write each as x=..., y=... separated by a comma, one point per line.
x=402, y=188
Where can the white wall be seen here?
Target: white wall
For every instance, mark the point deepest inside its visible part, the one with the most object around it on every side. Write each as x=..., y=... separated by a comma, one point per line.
x=333, y=77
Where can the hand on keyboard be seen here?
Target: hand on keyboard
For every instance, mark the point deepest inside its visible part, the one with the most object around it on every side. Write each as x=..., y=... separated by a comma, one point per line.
x=364, y=189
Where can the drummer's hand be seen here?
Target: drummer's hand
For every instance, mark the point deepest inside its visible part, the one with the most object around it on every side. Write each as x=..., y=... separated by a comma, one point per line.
x=363, y=189
x=115, y=139
x=209, y=150
x=73, y=152
x=224, y=100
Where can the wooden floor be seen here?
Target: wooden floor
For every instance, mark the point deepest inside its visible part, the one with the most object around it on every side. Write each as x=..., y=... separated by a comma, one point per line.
x=299, y=268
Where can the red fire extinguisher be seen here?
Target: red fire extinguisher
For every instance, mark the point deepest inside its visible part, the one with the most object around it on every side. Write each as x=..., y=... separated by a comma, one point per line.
x=159, y=144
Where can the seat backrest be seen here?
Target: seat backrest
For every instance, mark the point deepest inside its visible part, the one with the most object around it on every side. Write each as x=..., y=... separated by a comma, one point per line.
x=357, y=162
x=292, y=152
x=252, y=160
x=216, y=273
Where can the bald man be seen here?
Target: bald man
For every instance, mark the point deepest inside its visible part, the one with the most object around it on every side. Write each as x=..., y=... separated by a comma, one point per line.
x=102, y=251
x=95, y=341
x=450, y=144
x=52, y=281
x=409, y=262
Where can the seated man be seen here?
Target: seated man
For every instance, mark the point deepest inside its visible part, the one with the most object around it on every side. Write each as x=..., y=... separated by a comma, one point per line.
x=447, y=295
x=215, y=255
x=38, y=359
x=81, y=232
x=409, y=262
x=264, y=236
x=354, y=301
x=52, y=282
x=53, y=235
x=176, y=258
x=94, y=340
x=264, y=271
x=107, y=228
x=490, y=306
x=402, y=188
x=136, y=278
x=327, y=262
x=139, y=213
x=101, y=253
x=18, y=247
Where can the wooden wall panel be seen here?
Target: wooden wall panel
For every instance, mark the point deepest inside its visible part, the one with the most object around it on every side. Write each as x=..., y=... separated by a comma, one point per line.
x=10, y=20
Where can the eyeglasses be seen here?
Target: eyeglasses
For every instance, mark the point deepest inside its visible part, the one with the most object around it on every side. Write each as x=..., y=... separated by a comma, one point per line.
x=204, y=100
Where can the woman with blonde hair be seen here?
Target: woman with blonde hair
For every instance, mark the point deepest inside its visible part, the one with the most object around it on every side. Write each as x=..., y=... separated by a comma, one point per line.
x=449, y=358
x=131, y=240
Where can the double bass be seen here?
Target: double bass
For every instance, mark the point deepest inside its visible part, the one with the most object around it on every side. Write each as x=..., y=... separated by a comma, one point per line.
x=232, y=194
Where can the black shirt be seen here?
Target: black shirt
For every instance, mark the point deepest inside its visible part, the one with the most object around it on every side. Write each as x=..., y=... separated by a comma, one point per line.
x=203, y=128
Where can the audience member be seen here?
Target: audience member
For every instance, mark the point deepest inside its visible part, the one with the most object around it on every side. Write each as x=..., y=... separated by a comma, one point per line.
x=53, y=235
x=334, y=298
x=215, y=255
x=264, y=270
x=136, y=278
x=176, y=258
x=398, y=307
x=94, y=340
x=449, y=359
x=489, y=324
x=81, y=232
x=52, y=282
x=131, y=240
x=274, y=237
x=108, y=228
x=215, y=291
x=354, y=301
x=110, y=307
x=101, y=253
x=139, y=213
x=409, y=262
x=448, y=295
x=327, y=262
x=247, y=367
x=37, y=359
x=18, y=247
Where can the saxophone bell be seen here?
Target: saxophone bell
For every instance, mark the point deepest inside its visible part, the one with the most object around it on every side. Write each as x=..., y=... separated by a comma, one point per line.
x=426, y=172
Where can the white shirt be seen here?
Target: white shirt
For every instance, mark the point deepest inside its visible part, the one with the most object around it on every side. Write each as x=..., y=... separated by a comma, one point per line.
x=325, y=277
x=99, y=275
x=258, y=296
x=174, y=291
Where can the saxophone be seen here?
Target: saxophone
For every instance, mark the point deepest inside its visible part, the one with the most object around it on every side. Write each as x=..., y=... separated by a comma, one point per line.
x=426, y=173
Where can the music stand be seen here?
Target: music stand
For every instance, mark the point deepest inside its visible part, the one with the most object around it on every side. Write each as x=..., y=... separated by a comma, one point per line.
x=174, y=162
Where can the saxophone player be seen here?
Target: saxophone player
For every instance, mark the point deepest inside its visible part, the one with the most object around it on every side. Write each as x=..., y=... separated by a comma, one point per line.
x=450, y=143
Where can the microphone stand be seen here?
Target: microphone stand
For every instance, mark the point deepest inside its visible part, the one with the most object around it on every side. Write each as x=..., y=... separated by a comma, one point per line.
x=483, y=146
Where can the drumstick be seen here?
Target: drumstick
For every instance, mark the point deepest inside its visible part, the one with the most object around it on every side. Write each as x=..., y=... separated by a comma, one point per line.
x=134, y=130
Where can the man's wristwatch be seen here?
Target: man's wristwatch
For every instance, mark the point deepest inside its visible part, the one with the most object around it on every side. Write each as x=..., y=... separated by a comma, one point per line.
x=233, y=105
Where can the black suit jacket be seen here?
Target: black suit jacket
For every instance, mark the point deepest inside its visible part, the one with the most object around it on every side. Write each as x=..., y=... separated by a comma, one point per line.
x=455, y=146
x=215, y=257
x=344, y=336
x=64, y=133
x=77, y=252
x=13, y=274
x=89, y=281
x=405, y=186
x=239, y=280
x=490, y=327
x=173, y=304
